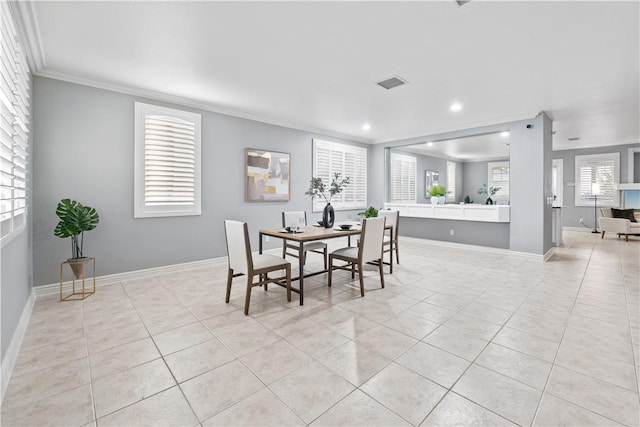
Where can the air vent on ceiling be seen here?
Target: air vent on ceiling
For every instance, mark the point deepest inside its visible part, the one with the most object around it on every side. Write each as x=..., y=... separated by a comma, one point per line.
x=575, y=138
x=462, y=2
x=392, y=82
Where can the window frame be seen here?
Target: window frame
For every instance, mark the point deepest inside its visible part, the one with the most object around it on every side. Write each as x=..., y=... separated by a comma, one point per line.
x=358, y=184
x=500, y=195
x=142, y=110
x=16, y=108
x=591, y=158
x=408, y=183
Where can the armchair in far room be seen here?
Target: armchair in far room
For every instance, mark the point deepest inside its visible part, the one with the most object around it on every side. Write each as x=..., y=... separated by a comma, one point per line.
x=622, y=225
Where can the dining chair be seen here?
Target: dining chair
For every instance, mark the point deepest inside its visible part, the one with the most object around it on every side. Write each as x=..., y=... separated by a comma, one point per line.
x=243, y=262
x=369, y=250
x=393, y=218
x=299, y=218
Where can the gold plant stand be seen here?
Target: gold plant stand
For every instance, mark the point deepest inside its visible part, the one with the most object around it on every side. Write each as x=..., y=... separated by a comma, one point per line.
x=78, y=265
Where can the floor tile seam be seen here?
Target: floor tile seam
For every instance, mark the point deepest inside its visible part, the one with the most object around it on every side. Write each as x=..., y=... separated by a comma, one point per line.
x=555, y=357
x=391, y=410
x=633, y=350
x=334, y=405
x=134, y=403
x=580, y=406
x=86, y=342
x=597, y=378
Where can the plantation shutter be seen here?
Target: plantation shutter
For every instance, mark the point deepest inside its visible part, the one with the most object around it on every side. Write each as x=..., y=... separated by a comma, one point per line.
x=403, y=178
x=596, y=170
x=14, y=130
x=350, y=161
x=170, y=166
x=451, y=182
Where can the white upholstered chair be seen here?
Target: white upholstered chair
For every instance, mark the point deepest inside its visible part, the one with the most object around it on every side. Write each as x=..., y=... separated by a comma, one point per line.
x=299, y=218
x=242, y=262
x=393, y=219
x=619, y=226
x=369, y=250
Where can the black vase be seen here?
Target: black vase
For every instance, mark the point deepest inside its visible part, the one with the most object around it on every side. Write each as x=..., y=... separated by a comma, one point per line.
x=489, y=201
x=328, y=216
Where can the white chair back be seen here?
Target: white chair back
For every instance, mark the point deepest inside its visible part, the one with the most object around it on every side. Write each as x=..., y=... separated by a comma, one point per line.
x=238, y=246
x=371, y=240
x=295, y=218
x=392, y=218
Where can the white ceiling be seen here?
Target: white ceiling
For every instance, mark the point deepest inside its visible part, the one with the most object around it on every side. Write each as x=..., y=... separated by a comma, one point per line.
x=313, y=65
x=490, y=146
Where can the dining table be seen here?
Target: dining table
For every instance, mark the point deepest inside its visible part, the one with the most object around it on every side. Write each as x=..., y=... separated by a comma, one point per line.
x=311, y=233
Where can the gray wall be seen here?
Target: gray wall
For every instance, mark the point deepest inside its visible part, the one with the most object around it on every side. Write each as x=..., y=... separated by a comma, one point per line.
x=572, y=213
x=83, y=149
x=475, y=174
x=492, y=234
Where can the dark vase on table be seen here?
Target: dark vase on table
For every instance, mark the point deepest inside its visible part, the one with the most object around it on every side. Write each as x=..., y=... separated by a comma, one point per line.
x=489, y=201
x=328, y=216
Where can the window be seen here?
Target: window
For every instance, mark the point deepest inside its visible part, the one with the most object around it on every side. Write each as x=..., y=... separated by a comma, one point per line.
x=557, y=183
x=14, y=130
x=347, y=160
x=451, y=182
x=601, y=169
x=403, y=178
x=167, y=162
x=499, y=177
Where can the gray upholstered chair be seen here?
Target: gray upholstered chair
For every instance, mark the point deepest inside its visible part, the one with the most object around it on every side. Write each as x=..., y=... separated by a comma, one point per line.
x=369, y=250
x=243, y=262
x=299, y=218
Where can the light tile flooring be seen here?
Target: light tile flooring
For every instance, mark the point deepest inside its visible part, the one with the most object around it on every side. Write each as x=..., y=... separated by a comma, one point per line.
x=457, y=337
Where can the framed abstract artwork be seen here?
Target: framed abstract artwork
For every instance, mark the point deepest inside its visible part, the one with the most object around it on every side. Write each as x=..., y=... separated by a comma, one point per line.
x=267, y=175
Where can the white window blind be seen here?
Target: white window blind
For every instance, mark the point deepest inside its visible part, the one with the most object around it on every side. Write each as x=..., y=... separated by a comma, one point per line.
x=403, y=178
x=451, y=182
x=167, y=162
x=602, y=169
x=347, y=160
x=14, y=130
x=499, y=177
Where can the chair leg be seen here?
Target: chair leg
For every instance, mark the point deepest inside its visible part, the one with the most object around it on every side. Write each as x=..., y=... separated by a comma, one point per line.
x=324, y=253
x=360, y=276
x=229, y=279
x=353, y=270
x=602, y=237
x=247, y=297
x=381, y=273
x=288, y=273
x=397, y=254
x=330, y=269
x=626, y=237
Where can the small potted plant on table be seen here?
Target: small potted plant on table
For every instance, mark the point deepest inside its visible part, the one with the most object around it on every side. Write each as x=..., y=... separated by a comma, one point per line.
x=317, y=188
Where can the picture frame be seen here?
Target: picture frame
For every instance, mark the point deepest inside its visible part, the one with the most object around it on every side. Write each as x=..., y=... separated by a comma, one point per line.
x=267, y=176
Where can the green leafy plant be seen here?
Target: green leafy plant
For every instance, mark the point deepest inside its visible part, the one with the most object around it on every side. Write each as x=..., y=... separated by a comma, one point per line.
x=437, y=190
x=370, y=212
x=317, y=188
x=75, y=219
x=467, y=199
x=489, y=191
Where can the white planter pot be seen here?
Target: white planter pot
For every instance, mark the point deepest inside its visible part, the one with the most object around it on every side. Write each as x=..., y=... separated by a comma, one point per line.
x=441, y=200
x=434, y=200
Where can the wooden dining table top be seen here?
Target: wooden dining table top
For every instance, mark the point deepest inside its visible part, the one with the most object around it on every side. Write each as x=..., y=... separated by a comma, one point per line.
x=311, y=232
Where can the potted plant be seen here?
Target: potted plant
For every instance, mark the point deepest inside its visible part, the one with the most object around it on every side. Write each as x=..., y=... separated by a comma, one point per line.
x=436, y=192
x=75, y=219
x=489, y=192
x=317, y=188
x=370, y=212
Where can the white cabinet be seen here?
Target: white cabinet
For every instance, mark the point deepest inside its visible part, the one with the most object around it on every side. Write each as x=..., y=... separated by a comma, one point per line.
x=471, y=212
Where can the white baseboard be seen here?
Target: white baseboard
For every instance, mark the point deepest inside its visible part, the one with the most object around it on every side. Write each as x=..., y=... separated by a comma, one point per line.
x=54, y=288
x=579, y=229
x=11, y=355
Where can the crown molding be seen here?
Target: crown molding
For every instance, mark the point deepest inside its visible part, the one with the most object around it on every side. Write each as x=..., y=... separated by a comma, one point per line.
x=186, y=102
x=27, y=25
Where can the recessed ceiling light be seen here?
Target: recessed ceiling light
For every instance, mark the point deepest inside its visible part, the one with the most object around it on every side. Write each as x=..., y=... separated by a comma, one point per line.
x=504, y=134
x=429, y=144
x=456, y=106
x=366, y=126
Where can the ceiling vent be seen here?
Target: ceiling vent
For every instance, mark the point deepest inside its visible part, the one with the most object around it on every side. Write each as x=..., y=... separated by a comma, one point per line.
x=462, y=2
x=575, y=138
x=392, y=82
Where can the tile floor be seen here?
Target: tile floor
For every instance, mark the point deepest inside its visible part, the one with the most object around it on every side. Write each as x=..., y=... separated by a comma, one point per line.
x=457, y=337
